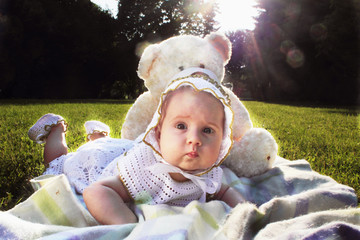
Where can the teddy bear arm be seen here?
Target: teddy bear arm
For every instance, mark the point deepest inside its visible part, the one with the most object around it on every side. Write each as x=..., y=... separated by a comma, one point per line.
x=254, y=154
x=139, y=116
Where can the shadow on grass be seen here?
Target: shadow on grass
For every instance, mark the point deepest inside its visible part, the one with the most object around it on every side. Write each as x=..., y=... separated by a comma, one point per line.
x=345, y=112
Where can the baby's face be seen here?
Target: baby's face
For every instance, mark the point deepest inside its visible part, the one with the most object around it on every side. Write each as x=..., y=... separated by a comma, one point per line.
x=191, y=132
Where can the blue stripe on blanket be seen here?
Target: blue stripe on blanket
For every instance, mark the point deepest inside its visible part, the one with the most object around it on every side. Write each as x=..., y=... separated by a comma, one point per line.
x=335, y=231
x=346, y=199
x=5, y=233
x=103, y=232
x=302, y=207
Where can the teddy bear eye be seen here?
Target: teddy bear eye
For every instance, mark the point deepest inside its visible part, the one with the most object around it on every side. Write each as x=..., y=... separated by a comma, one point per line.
x=181, y=68
x=202, y=65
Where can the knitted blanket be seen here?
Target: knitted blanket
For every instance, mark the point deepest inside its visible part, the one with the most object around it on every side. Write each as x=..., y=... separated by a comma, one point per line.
x=290, y=201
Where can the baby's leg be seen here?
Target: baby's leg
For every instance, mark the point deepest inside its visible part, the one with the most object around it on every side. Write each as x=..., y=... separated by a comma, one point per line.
x=50, y=129
x=55, y=145
x=106, y=201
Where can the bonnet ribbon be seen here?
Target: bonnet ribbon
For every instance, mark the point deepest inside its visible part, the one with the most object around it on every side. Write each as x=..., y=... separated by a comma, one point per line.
x=207, y=185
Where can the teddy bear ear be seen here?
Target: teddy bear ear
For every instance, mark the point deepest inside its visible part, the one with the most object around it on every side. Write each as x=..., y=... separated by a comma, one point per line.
x=221, y=43
x=147, y=60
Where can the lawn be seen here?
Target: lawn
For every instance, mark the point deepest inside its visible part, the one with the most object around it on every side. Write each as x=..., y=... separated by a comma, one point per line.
x=327, y=137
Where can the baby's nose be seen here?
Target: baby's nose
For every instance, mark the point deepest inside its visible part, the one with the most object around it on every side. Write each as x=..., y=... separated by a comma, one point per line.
x=194, y=138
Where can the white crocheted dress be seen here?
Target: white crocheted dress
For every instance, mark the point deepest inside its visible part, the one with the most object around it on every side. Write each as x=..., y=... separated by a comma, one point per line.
x=132, y=162
x=88, y=163
x=148, y=186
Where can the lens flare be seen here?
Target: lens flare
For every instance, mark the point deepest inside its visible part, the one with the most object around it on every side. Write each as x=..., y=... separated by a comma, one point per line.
x=286, y=46
x=295, y=58
x=318, y=32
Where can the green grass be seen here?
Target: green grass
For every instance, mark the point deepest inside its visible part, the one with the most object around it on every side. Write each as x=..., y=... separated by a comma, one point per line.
x=327, y=137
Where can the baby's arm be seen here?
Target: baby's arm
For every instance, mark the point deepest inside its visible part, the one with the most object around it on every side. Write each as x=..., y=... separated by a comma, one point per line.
x=106, y=201
x=229, y=195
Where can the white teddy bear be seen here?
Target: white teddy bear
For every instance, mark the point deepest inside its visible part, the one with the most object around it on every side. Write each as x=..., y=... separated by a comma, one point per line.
x=254, y=149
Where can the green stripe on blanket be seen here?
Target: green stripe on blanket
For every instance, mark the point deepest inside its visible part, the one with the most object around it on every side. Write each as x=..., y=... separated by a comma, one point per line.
x=50, y=209
x=53, y=203
x=207, y=217
x=195, y=221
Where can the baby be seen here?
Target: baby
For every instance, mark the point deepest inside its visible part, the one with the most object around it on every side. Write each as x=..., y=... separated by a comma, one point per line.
x=178, y=160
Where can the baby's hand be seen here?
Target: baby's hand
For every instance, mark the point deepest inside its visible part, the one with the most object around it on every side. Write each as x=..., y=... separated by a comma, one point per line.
x=230, y=196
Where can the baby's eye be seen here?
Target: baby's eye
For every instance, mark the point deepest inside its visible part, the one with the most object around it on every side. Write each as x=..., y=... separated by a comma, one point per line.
x=180, y=126
x=208, y=130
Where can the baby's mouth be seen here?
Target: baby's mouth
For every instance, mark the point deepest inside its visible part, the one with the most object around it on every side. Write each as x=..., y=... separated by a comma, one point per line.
x=192, y=154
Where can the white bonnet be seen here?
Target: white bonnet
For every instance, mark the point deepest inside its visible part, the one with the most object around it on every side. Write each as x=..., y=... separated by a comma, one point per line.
x=199, y=79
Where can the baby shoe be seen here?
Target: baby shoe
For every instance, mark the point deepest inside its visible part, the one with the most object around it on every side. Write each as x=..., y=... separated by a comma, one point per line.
x=96, y=127
x=41, y=129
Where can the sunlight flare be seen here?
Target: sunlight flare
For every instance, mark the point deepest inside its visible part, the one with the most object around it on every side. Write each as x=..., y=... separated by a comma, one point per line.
x=110, y=5
x=237, y=14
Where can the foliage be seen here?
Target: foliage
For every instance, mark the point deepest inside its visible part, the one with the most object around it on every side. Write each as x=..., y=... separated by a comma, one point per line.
x=326, y=137
x=72, y=49
x=237, y=68
x=238, y=57
x=153, y=20
x=55, y=49
x=305, y=50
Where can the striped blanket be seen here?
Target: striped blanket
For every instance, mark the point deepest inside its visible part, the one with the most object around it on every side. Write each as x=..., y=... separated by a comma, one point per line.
x=289, y=201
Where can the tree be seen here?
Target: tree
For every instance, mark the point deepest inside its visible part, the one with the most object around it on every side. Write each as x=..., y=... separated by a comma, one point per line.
x=55, y=49
x=72, y=49
x=236, y=69
x=161, y=19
